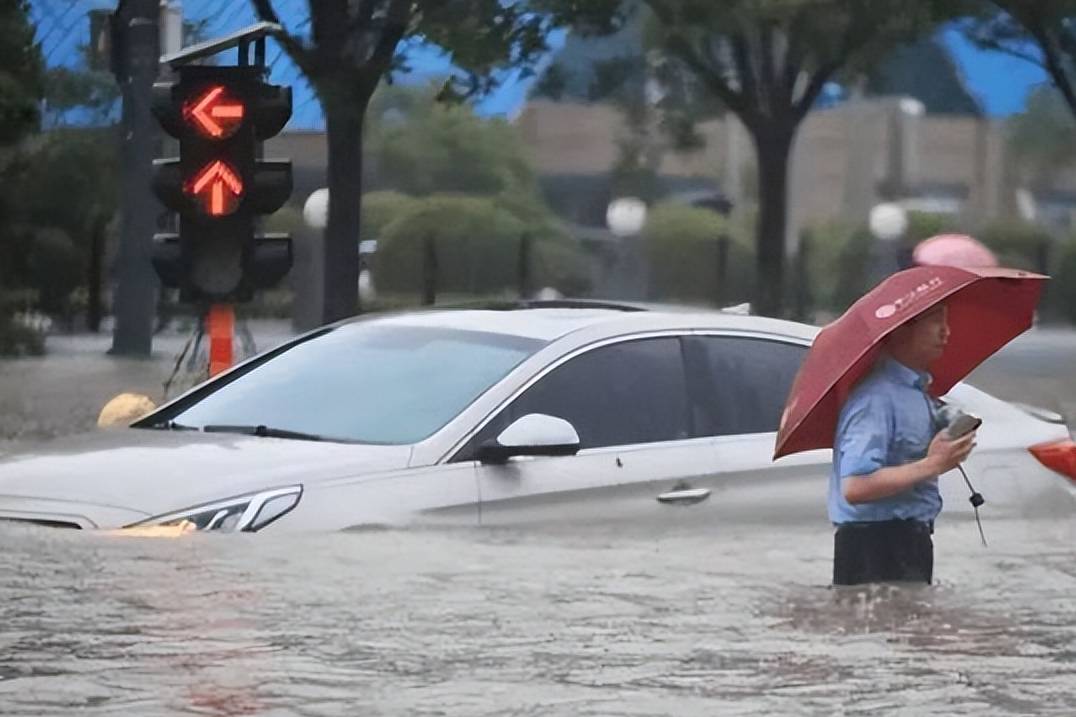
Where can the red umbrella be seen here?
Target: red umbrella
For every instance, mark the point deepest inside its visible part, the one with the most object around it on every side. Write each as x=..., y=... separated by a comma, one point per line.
x=953, y=250
x=988, y=307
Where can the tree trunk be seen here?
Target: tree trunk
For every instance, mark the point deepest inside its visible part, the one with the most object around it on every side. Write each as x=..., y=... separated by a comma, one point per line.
x=773, y=147
x=343, y=122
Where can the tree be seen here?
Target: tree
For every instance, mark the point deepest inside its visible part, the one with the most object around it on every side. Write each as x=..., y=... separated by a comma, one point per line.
x=21, y=88
x=21, y=73
x=767, y=61
x=1043, y=138
x=419, y=146
x=79, y=165
x=1039, y=31
x=926, y=71
x=351, y=46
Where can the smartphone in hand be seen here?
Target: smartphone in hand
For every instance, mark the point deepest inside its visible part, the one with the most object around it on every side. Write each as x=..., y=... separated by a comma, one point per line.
x=962, y=425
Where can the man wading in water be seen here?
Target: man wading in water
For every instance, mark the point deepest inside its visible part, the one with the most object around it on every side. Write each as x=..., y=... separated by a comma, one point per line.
x=887, y=456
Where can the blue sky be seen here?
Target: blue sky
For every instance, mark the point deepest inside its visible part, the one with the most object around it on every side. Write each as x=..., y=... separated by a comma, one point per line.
x=1001, y=83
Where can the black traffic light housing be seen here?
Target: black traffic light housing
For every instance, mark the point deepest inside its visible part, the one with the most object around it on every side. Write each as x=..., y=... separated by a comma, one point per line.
x=219, y=185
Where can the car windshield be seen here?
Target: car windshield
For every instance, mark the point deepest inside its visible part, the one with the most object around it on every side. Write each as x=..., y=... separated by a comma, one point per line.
x=366, y=382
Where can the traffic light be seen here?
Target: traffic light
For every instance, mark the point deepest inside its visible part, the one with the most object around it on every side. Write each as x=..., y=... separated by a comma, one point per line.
x=218, y=186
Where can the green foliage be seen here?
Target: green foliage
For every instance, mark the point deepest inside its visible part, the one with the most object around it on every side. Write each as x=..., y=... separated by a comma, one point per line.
x=477, y=246
x=1043, y=138
x=288, y=219
x=78, y=165
x=827, y=273
x=561, y=265
x=47, y=245
x=21, y=72
x=682, y=249
x=421, y=147
x=1062, y=289
x=841, y=254
x=1016, y=244
x=379, y=209
x=54, y=269
x=68, y=89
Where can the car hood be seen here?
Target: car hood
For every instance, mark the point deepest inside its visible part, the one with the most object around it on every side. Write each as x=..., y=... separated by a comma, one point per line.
x=139, y=473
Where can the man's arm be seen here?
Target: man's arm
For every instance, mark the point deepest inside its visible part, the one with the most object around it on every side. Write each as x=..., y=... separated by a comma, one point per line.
x=942, y=456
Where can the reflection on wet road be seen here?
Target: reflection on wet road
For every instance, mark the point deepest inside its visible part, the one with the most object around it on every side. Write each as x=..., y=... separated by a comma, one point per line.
x=736, y=621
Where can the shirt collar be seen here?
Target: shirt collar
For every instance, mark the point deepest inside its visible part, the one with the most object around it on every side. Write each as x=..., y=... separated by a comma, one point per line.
x=904, y=375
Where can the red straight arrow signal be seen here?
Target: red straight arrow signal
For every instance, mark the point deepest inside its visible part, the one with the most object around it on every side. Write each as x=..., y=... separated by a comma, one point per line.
x=219, y=187
x=215, y=114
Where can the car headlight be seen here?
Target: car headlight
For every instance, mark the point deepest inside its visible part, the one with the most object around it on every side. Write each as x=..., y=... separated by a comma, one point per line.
x=245, y=513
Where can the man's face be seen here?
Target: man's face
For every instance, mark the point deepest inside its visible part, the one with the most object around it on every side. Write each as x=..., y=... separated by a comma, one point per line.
x=924, y=339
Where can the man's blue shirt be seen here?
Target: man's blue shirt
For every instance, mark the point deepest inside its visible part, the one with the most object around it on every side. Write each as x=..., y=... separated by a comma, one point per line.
x=886, y=421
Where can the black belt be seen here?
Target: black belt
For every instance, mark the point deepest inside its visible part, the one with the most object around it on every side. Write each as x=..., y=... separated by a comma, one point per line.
x=917, y=525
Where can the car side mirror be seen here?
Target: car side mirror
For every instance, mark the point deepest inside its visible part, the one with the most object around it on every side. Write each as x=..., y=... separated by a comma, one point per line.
x=535, y=434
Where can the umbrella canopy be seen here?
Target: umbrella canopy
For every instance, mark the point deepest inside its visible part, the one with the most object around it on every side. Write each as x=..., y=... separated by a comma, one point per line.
x=953, y=250
x=987, y=307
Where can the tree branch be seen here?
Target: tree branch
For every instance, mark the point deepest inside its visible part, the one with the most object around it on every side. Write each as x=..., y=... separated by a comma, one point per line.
x=741, y=57
x=768, y=76
x=793, y=60
x=397, y=20
x=362, y=16
x=996, y=46
x=302, y=57
x=855, y=38
x=1051, y=54
x=679, y=47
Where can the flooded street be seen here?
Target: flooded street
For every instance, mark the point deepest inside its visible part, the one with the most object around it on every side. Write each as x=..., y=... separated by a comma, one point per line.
x=739, y=620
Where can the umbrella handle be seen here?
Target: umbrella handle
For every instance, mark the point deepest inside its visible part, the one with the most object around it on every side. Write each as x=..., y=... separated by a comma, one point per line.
x=976, y=499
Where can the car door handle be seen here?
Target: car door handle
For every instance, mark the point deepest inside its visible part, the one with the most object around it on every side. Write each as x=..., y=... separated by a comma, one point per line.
x=685, y=496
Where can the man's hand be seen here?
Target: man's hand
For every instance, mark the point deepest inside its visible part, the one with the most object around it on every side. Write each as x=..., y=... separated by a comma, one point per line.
x=945, y=454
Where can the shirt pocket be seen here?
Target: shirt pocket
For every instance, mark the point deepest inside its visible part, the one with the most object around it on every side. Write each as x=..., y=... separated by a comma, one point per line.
x=910, y=444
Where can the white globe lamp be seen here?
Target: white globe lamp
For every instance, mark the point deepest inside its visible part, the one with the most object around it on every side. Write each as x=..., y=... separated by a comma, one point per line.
x=316, y=209
x=888, y=221
x=626, y=216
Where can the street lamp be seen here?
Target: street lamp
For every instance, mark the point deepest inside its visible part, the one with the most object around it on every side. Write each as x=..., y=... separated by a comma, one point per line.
x=316, y=216
x=626, y=217
x=887, y=223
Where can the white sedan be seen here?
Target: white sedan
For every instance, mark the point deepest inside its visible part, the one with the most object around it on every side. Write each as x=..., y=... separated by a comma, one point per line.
x=573, y=412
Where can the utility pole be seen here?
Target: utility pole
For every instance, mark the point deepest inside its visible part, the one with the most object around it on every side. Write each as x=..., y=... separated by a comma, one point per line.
x=135, y=53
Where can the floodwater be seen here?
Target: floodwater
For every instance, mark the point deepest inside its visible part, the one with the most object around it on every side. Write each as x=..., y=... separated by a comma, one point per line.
x=737, y=621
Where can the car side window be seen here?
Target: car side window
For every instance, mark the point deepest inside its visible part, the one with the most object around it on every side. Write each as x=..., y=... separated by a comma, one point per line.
x=621, y=394
x=738, y=384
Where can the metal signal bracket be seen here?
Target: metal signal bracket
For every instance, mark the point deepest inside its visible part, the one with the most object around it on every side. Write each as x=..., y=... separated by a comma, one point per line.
x=241, y=39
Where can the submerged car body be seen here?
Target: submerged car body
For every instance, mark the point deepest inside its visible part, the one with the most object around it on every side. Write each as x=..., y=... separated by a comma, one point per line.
x=491, y=417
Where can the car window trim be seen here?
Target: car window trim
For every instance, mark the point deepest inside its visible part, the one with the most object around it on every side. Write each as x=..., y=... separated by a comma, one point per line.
x=450, y=455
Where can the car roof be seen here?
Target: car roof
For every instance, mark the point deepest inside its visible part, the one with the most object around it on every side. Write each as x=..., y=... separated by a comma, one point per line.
x=554, y=322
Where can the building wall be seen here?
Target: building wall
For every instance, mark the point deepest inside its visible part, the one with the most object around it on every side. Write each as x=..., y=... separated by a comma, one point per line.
x=844, y=161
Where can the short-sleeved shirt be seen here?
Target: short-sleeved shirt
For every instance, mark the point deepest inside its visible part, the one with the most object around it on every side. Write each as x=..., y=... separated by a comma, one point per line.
x=887, y=420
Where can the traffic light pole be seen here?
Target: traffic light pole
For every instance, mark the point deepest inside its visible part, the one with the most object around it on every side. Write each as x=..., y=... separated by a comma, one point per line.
x=220, y=185
x=135, y=66
x=221, y=329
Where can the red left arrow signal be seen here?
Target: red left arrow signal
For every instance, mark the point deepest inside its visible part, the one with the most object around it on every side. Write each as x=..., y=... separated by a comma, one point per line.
x=214, y=113
x=219, y=186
